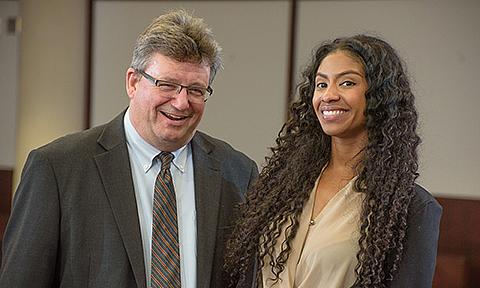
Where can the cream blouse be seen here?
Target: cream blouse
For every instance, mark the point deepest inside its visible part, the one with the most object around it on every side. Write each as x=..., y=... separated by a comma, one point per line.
x=324, y=251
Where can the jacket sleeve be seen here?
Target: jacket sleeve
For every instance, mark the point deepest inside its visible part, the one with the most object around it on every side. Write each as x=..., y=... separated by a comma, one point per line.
x=31, y=238
x=418, y=263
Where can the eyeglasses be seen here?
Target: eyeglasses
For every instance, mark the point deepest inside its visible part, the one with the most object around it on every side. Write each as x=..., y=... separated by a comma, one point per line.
x=196, y=94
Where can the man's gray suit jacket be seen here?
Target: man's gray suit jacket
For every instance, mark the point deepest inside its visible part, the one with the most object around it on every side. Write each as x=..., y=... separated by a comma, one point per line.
x=74, y=221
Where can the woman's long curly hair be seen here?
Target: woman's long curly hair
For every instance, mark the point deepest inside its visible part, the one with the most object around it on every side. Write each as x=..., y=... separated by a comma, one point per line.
x=388, y=171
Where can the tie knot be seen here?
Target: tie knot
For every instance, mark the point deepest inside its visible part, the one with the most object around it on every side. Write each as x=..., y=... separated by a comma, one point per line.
x=166, y=158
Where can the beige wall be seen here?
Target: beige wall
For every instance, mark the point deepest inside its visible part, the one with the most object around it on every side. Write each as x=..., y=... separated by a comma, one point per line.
x=9, y=43
x=52, y=70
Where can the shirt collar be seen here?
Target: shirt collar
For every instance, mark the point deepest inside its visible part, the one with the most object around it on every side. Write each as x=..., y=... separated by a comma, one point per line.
x=146, y=152
x=180, y=157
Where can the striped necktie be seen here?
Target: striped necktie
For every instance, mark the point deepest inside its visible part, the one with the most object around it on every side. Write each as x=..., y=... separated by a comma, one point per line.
x=165, y=248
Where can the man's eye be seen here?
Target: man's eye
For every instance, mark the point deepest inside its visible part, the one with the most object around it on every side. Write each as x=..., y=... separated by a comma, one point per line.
x=195, y=91
x=166, y=87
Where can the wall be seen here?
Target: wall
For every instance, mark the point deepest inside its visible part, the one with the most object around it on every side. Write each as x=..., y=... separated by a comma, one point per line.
x=9, y=43
x=52, y=73
x=247, y=107
x=439, y=41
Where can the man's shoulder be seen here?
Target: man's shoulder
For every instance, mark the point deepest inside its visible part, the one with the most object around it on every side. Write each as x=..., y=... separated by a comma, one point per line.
x=74, y=140
x=86, y=139
x=206, y=140
x=79, y=145
x=221, y=150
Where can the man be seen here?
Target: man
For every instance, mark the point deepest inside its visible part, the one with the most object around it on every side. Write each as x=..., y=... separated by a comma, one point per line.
x=90, y=205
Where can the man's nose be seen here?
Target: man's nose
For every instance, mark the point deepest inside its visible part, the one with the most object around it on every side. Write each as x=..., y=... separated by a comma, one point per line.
x=180, y=100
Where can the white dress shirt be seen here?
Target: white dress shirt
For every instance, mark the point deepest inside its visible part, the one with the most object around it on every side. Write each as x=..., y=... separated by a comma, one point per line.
x=145, y=168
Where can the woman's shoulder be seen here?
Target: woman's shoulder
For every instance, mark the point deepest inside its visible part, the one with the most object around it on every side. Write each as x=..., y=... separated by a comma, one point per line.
x=423, y=199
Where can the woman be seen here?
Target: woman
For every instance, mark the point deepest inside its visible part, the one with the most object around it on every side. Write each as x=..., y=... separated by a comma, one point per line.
x=336, y=204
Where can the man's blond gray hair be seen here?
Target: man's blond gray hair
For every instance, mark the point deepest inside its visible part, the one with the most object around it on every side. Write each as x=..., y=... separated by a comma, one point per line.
x=180, y=36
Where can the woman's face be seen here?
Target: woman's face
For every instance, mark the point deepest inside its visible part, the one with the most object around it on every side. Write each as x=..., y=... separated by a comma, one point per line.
x=339, y=97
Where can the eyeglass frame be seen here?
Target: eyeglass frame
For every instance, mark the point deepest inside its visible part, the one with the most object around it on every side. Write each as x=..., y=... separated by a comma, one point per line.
x=157, y=82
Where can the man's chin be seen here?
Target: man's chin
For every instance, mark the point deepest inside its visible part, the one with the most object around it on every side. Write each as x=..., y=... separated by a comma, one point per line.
x=176, y=140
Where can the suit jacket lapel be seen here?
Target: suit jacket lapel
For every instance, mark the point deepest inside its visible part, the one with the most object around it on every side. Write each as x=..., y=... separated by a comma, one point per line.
x=208, y=183
x=114, y=169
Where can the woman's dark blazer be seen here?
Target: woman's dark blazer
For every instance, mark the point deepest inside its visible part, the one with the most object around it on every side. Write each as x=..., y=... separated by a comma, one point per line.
x=418, y=262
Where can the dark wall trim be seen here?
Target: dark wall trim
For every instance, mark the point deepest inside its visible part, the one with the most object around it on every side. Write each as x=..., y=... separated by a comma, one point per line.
x=6, y=175
x=458, y=260
x=291, y=56
x=88, y=68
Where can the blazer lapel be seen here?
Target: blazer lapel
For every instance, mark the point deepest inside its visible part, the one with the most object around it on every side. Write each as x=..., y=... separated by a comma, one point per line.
x=208, y=183
x=114, y=169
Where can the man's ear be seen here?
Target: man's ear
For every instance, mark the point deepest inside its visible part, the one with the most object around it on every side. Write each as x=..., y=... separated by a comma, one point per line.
x=131, y=81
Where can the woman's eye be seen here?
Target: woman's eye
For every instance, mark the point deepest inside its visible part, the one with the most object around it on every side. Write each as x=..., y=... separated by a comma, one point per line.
x=348, y=83
x=321, y=85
